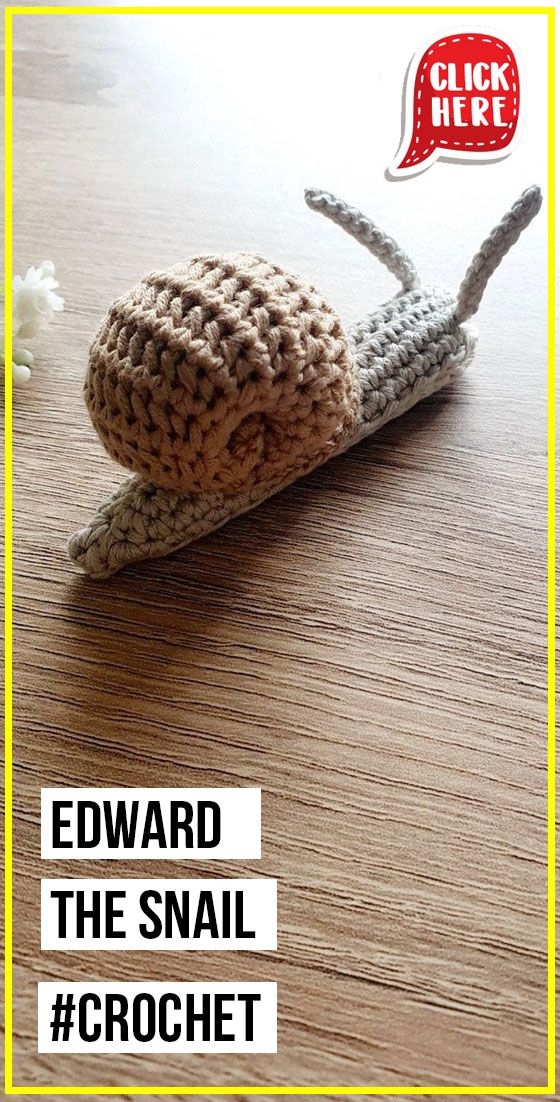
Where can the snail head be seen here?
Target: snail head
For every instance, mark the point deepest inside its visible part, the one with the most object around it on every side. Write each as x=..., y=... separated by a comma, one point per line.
x=421, y=327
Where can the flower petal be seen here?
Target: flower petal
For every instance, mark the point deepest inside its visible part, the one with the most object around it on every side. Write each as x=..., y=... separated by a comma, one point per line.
x=20, y=374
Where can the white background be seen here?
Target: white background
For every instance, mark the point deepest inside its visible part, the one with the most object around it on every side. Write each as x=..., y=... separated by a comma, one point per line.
x=264, y=1018
x=240, y=822
x=259, y=914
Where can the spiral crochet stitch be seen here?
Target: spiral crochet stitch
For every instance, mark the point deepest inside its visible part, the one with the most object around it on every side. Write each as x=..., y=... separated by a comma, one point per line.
x=219, y=374
x=223, y=379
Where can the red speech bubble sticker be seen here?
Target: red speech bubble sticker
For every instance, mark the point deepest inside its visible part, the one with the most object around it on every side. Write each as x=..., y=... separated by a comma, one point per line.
x=462, y=101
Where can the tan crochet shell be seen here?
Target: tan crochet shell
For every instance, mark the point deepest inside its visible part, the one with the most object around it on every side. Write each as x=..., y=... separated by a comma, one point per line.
x=221, y=373
x=223, y=379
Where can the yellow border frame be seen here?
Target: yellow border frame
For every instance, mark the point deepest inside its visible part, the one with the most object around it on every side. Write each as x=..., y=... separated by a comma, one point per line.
x=10, y=1087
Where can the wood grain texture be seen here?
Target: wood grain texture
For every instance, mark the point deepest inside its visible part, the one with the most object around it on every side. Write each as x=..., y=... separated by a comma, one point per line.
x=369, y=646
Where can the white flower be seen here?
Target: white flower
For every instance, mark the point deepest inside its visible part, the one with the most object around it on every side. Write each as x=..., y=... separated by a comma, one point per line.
x=22, y=359
x=20, y=374
x=34, y=300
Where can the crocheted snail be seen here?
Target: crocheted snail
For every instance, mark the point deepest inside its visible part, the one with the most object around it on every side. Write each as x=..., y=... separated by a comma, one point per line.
x=221, y=380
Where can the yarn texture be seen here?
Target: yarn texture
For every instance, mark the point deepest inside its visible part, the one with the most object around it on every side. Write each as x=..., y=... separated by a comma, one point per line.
x=219, y=374
x=223, y=379
x=493, y=250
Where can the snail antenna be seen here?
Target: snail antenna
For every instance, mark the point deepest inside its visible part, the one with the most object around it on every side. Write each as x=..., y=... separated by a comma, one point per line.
x=493, y=250
x=367, y=233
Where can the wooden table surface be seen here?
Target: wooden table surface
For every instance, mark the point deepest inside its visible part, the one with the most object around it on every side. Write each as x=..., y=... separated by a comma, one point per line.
x=369, y=646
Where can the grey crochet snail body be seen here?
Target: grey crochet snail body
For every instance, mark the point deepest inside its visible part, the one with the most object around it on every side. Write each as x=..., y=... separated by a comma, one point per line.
x=221, y=380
